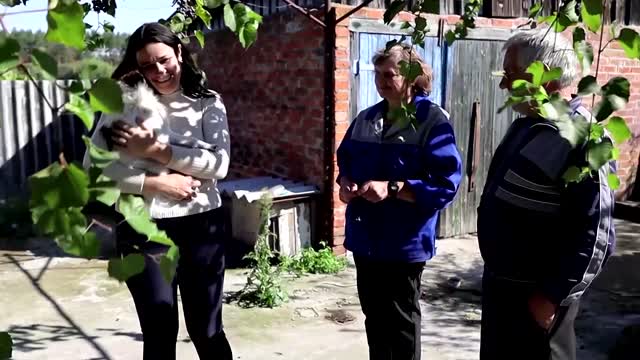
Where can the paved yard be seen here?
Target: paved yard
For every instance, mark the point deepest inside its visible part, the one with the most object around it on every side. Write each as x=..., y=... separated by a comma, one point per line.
x=64, y=308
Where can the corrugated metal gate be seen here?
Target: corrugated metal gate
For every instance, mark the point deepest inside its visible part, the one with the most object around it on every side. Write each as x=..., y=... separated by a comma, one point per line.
x=30, y=137
x=464, y=86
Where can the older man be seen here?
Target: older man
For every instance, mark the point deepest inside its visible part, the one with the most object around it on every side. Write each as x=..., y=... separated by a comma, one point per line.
x=542, y=241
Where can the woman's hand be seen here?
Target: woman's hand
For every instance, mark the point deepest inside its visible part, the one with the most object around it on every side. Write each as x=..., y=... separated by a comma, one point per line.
x=174, y=186
x=140, y=142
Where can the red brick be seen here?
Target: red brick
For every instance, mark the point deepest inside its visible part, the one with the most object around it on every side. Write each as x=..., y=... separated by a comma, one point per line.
x=342, y=42
x=342, y=31
x=342, y=84
x=342, y=96
x=342, y=106
x=342, y=116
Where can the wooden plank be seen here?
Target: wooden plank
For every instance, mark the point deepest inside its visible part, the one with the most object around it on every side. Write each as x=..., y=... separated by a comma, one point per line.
x=378, y=27
x=471, y=80
x=354, y=57
x=634, y=12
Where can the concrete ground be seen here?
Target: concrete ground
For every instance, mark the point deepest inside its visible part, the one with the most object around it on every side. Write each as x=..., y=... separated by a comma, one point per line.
x=64, y=308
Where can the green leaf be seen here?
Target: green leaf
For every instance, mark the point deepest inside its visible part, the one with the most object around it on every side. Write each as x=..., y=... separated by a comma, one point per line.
x=66, y=24
x=108, y=27
x=124, y=268
x=573, y=174
x=200, y=37
x=394, y=42
x=204, y=15
x=410, y=71
x=135, y=213
x=106, y=96
x=615, y=153
x=81, y=108
x=59, y=221
x=249, y=34
x=85, y=245
x=405, y=25
x=230, y=17
x=547, y=19
x=76, y=88
x=565, y=18
x=535, y=10
x=583, y=49
x=592, y=14
x=176, y=24
x=597, y=132
x=161, y=238
x=10, y=3
x=618, y=129
x=60, y=187
x=394, y=8
x=579, y=35
x=421, y=23
x=630, y=42
x=551, y=75
x=615, y=95
x=536, y=69
x=100, y=158
x=613, y=30
x=102, y=188
x=568, y=10
x=169, y=263
x=76, y=182
x=6, y=344
x=599, y=154
x=9, y=53
x=574, y=130
x=588, y=85
x=450, y=37
x=212, y=4
x=614, y=181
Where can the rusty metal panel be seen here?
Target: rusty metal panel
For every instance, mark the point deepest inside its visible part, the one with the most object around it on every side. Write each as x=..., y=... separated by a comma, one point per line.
x=31, y=136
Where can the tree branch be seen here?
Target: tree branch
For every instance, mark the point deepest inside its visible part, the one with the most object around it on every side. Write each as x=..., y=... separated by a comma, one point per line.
x=26, y=71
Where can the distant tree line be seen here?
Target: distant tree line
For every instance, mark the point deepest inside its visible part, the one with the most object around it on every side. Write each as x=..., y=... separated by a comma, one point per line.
x=73, y=64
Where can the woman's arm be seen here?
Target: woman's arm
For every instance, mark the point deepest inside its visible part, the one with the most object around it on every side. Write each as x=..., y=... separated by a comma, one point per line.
x=200, y=162
x=130, y=180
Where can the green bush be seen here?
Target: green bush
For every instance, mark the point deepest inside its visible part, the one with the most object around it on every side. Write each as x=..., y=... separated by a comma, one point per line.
x=94, y=68
x=264, y=287
x=312, y=261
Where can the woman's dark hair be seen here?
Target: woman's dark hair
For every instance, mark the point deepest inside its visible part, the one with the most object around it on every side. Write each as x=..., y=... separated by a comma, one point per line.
x=193, y=80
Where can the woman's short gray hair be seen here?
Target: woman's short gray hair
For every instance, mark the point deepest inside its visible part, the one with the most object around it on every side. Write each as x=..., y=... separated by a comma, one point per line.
x=554, y=50
x=407, y=53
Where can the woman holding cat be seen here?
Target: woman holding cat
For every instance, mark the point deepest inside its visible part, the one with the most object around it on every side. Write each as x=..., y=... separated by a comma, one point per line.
x=190, y=212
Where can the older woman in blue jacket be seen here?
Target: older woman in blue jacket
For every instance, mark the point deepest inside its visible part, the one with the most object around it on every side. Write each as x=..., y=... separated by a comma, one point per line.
x=395, y=179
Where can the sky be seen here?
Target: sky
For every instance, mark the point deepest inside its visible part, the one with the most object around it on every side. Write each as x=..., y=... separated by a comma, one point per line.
x=129, y=15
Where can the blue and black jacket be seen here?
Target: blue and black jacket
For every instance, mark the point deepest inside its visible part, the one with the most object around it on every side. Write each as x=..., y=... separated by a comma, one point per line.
x=532, y=227
x=425, y=158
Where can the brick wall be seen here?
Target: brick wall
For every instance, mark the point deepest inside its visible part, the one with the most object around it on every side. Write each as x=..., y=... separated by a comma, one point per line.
x=273, y=92
x=613, y=63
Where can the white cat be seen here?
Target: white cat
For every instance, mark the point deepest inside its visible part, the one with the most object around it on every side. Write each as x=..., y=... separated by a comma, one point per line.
x=141, y=104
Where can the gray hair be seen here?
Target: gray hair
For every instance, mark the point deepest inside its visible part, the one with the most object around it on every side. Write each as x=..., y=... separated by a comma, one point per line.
x=553, y=50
